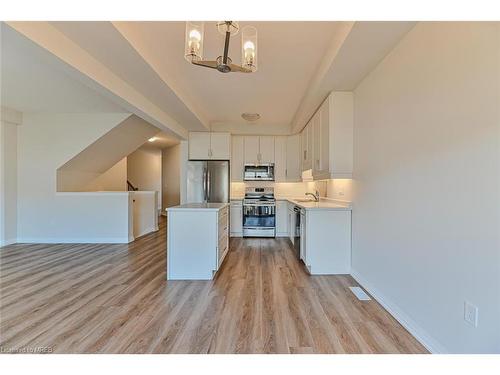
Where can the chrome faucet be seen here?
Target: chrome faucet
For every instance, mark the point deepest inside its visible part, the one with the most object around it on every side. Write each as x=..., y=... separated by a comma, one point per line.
x=315, y=196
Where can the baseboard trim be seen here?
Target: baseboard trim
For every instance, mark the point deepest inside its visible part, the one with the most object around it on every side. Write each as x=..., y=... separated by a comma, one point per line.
x=397, y=313
x=8, y=242
x=74, y=240
x=147, y=231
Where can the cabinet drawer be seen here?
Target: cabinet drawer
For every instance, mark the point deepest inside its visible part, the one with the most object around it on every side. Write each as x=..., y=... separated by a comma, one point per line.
x=223, y=213
x=223, y=246
x=223, y=229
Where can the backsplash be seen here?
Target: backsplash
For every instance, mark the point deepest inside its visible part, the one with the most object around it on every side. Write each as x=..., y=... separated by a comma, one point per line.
x=335, y=189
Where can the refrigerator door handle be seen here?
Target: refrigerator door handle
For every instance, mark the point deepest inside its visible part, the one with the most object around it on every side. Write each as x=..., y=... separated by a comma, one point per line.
x=208, y=185
x=205, y=184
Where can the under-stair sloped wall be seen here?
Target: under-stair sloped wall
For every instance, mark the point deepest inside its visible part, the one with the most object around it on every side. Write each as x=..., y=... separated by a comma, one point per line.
x=79, y=173
x=48, y=141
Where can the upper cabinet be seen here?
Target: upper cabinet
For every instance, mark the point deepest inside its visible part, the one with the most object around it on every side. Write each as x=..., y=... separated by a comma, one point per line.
x=237, y=157
x=251, y=150
x=280, y=153
x=327, y=139
x=293, y=153
x=307, y=142
x=209, y=146
x=259, y=149
x=266, y=149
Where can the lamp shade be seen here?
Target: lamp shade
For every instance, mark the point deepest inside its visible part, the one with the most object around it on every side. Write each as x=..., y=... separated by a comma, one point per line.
x=249, y=48
x=194, y=41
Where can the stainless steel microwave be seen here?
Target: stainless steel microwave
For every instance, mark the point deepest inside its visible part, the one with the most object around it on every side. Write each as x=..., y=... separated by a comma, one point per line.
x=259, y=172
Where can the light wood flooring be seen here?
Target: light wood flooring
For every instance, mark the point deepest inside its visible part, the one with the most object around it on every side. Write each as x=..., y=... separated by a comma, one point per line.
x=87, y=298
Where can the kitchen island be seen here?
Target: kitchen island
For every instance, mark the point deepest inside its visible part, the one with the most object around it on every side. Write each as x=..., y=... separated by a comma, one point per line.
x=197, y=240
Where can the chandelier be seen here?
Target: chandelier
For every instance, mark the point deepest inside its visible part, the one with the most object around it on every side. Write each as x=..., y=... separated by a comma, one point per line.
x=224, y=64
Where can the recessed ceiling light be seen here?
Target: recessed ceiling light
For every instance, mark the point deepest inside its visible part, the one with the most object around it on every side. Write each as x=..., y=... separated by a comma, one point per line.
x=152, y=139
x=250, y=116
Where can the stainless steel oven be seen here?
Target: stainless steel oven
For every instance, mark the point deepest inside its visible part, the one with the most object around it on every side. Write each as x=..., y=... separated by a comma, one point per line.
x=259, y=172
x=259, y=213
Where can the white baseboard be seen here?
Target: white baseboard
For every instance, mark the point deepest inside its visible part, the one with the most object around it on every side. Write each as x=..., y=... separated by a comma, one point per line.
x=147, y=231
x=75, y=240
x=8, y=242
x=418, y=332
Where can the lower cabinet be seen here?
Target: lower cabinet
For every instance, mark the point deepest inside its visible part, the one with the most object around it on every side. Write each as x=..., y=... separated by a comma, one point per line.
x=282, y=219
x=236, y=215
x=291, y=222
x=326, y=241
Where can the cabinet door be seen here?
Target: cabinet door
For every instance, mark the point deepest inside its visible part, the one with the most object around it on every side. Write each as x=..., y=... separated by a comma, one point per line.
x=266, y=149
x=199, y=145
x=220, y=146
x=324, y=120
x=309, y=145
x=282, y=218
x=251, y=150
x=316, y=142
x=236, y=225
x=237, y=158
x=280, y=152
x=293, y=152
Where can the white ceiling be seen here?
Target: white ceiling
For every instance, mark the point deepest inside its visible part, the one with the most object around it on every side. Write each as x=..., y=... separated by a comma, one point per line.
x=33, y=80
x=299, y=63
x=288, y=54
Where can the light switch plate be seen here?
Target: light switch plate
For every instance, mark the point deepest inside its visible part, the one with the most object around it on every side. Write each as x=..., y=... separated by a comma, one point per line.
x=471, y=313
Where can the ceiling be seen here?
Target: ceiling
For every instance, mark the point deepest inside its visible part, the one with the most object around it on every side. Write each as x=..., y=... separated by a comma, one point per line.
x=140, y=66
x=288, y=54
x=33, y=80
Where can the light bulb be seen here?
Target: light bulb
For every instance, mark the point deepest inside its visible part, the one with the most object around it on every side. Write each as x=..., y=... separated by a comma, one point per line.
x=195, y=35
x=248, y=45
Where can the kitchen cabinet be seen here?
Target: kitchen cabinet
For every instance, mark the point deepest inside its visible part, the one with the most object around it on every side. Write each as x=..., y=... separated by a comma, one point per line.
x=259, y=149
x=237, y=158
x=307, y=144
x=236, y=215
x=326, y=241
x=209, y=146
x=199, y=256
x=280, y=158
x=266, y=147
x=327, y=139
x=281, y=218
x=293, y=170
x=251, y=150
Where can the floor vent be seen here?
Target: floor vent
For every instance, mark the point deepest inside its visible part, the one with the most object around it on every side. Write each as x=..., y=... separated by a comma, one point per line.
x=360, y=293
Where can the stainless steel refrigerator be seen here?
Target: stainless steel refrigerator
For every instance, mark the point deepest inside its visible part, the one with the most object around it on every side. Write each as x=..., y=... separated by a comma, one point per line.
x=208, y=181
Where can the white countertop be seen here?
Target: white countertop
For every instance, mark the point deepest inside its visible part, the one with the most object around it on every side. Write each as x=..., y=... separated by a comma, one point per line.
x=323, y=204
x=198, y=206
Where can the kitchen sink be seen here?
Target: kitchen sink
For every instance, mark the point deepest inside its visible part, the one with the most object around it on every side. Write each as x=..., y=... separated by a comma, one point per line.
x=304, y=200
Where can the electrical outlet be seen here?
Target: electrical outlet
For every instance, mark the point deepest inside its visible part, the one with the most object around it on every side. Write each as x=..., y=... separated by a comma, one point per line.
x=471, y=313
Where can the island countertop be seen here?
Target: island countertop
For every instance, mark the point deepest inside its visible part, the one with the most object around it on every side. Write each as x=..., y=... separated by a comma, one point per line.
x=198, y=206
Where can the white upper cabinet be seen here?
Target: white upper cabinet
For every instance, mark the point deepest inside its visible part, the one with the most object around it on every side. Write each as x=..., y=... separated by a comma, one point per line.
x=280, y=153
x=251, y=153
x=307, y=144
x=209, y=146
x=259, y=150
x=293, y=153
x=220, y=146
x=199, y=145
x=237, y=157
x=266, y=149
x=327, y=139
x=341, y=107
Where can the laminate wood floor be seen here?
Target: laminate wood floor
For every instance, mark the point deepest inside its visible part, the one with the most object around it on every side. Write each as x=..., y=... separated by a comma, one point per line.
x=88, y=298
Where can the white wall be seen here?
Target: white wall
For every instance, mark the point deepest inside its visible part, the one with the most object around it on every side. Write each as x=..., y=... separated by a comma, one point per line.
x=8, y=178
x=426, y=184
x=171, y=176
x=145, y=215
x=114, y=179
x=47, y=216
x=144, y=170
